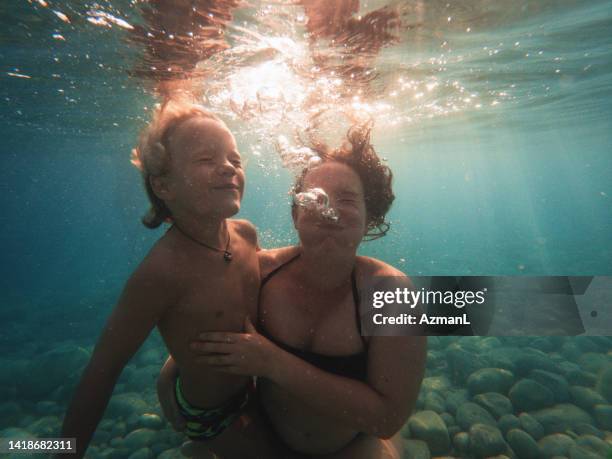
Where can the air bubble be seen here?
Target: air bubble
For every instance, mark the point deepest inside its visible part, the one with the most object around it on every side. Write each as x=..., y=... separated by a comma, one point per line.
x=316, y=199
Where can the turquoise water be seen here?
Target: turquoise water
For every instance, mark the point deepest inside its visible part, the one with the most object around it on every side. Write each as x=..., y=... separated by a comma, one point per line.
x=493, y=117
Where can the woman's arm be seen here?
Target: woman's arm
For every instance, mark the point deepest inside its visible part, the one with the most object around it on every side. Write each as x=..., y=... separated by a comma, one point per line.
x=140, y=307
x=378, y=407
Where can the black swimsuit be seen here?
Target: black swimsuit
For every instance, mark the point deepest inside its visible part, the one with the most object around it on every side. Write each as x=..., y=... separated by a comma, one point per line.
x=350, y=366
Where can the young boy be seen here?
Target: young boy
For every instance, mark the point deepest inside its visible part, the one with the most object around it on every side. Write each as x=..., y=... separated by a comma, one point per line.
x=202, y=274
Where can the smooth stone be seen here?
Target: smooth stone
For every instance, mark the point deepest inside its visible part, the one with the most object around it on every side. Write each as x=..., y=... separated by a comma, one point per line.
x=16, y=433
x=433, y=342
x=143, y=377
x=140, y=438
x=436, y=383
x=603, y=416
x=420, y=401
x=435, y=359
x=496, y=404
x=46, y=427
x=405, y=431
x=522, y=444
x=174, y=453
x=416, y=449
x=581, y=378
x=555, y=445
x=507, y=422
x=585, y=344
x=604, y=342
x=533, y=359
x=586, y=398
x=588, y=429
x=543, y=344
x=527, y=395
x=452, y=430
x=461, y=442
x=488, y=343
x=566, y=367
x=429, y=427
x=462, y=364
x=594, y=444
x=126, y=404
x=133, y=421
x=554, y=382
x=571, y=352
x=151, y=421
x=101, y=436
x=61, y=366
x=490, y=380
x=433, y=401
x=108, y=453
x=159, y=448
x=593, y=362
x=118, y=429
x=448, y=419
x=561, y=417
x=604, y=383
x=579, y=452
x=107, y=424
x=117, y=442
x=455, y=399
x=470, y=413
x=142, y=453
x=503, y=357
x=486, y=440
x=531, y=425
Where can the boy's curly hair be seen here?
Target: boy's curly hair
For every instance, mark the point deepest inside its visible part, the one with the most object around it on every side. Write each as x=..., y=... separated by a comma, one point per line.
x=358, y=153
x=152, y=155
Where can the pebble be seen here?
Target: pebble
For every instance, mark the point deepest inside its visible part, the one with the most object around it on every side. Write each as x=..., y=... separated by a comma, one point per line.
x=470, y=413
x=486, y=440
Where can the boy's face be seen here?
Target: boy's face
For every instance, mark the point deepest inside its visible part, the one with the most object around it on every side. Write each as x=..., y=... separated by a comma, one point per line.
x=206, y=176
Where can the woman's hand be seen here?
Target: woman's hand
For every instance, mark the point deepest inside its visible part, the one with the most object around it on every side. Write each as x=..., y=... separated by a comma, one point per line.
x=165, y=393
x=247, y=354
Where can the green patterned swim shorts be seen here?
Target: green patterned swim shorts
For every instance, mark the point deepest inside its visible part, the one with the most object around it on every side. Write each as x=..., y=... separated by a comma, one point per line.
x=206, y=423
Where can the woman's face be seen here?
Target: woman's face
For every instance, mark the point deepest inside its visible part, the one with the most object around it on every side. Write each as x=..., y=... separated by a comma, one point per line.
x=346, y=196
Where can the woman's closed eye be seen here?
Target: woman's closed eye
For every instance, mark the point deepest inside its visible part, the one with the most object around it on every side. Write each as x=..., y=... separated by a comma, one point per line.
x=347, y=201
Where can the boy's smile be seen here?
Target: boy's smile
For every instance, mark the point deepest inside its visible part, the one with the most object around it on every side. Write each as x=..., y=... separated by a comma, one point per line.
x=206, y=175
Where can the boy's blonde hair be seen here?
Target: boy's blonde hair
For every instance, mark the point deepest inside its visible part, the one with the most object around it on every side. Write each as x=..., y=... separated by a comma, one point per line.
x=152, y=155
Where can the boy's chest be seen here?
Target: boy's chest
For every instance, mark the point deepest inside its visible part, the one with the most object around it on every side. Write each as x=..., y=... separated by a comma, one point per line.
x=217, y=297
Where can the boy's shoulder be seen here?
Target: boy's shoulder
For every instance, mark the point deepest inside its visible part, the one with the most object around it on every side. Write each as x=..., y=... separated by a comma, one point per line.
x=158, y=267
x=244, y=228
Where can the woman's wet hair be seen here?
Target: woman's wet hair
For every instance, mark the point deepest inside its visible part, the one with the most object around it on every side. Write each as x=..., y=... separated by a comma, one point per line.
x=152, y=155
x=358, y=153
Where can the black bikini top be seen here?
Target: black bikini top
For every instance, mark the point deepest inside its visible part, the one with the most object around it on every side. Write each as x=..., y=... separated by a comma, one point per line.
x=350, y=366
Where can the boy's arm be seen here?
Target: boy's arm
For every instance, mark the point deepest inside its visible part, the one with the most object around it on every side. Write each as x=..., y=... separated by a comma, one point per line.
x=141, y=305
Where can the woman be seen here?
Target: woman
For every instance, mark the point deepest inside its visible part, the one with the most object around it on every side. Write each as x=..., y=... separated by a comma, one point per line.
x=321, y=384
